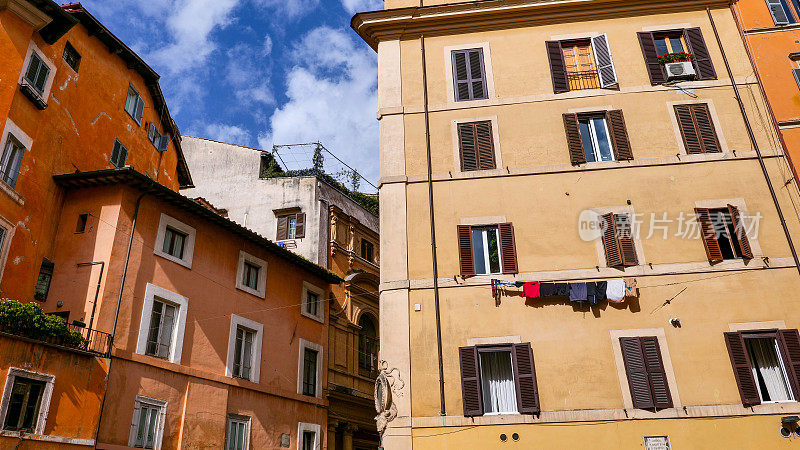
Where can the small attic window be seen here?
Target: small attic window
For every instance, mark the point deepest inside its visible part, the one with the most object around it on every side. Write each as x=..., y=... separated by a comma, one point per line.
x=72, y=57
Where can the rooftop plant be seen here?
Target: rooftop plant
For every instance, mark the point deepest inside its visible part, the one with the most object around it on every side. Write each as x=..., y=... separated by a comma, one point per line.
x=28, y=320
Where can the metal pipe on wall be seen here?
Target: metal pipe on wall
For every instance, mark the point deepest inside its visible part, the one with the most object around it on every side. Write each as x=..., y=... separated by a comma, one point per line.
x=99, y=283
x=753, y=141
x=125, y=270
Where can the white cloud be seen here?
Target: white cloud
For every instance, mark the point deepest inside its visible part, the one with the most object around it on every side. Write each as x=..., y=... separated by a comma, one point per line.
x=332, y=98
x=354, y=6
x=291, y=9
x=227, y=133
x=249, y=75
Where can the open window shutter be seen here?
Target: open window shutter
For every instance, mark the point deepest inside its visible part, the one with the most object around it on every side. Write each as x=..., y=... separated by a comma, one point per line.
x=624, y=231
x=655, y=370
x=738, y=226
x=465, y=250
x=470, y=381
x=151, y=132
x=123, y=155
x=637, y=372
x=778, y=13
x=702, y=58
x=605, y=64
x=558, y=68
x=283, y=225
x=740, y=361
x=574, y=143
x=468, y=146
x=15, y=165
x=622, y=145
x=508, y=248
x=691, y=138
x=713, y=251
x=163, y=143
x=705, y=129
x=485, y=145
x=796, y=73
x=41, y=79
x=476, y=74
x=610, y=242
x=790, y=350
x=300, y=225
x=139, y=110
x=527, y=390
x=654, y=68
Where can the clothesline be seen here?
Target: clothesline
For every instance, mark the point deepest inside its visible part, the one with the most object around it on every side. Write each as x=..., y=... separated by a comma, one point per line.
x=592, y=292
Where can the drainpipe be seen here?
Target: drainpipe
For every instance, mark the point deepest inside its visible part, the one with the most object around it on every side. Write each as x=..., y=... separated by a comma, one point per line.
x=125, y=270
x=443, y=411
x=753, y=141
x=99, y=282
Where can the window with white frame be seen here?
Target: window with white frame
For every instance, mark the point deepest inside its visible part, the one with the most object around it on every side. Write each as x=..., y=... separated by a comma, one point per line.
x=147, y=426
x=238, y=433
x=162, y=324
x=119, y=154
x=36, y=78
x=311, y=303
x=175, y=241
x=497, y=382
x=6, y=235
x=768, y=368
x=251, y=275
x=244, y=349
x=37, y=73
x=308, y=436
x=11, y=160
x=595, y=138
x=486, y=250
x=26, y=400
x=134, y=104
x=309, y=373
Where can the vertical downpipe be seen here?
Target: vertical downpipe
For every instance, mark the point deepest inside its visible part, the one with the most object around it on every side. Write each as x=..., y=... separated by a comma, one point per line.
x=753, y=141
x=443, y=410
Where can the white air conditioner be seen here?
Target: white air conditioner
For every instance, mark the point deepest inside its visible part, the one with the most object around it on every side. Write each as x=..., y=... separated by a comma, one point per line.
x=680, y=70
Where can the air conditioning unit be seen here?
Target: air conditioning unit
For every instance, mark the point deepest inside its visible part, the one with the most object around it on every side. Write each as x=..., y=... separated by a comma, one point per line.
x=680, y=70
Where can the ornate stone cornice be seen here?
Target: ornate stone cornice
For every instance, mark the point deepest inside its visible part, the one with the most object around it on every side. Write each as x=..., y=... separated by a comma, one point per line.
x=34, y=16
x=493, y=14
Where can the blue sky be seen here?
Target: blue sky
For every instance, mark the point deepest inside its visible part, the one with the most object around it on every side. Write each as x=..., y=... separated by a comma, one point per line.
x=258, y=72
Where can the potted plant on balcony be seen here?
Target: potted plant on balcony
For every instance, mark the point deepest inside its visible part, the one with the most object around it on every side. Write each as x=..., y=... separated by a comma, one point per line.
x=678, y=65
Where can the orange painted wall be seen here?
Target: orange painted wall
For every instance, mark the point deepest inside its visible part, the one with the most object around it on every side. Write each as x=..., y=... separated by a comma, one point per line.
x=76, y=132
x=198, y=393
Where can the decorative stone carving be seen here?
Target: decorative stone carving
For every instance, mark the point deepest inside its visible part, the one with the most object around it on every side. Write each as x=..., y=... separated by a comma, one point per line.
x=387, y=385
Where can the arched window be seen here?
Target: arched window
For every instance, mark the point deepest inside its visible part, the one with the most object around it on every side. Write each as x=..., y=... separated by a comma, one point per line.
x=367, y=347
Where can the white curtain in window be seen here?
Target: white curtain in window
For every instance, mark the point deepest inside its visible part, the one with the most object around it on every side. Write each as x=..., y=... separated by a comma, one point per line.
x=497, y=379
x=767, y=366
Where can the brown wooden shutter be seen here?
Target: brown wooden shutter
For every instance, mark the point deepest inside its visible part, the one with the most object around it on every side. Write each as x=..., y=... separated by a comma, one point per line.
x=470, y=381
x=300, y=225
x=525, y=379
x=691, y=138
x=508, y=249
x=465, y=251
x=485, y=145
x=742, y=371
x=709, y=236
x=790, y=350
x=654, y=68
x=558, y=68
x=283, y=226
x=702, y=58
x=705, y=128
x=741, y=235
x=624, y=232
x=637, y=372
x=476, y=146
x=619, y=134
x=574, y=142
x=610, y=242
x=655, y=370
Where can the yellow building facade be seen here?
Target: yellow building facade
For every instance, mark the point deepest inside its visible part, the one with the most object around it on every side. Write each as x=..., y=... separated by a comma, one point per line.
x=510, y=133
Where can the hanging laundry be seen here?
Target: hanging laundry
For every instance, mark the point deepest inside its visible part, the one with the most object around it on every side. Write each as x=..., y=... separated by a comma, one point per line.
x=631, y=287
x=562, y=289
x=615, y=291
x=601, y=291
x=531, y=290
x=577, y=292
x=519, y=283
x=547, y=289
x=591, y=294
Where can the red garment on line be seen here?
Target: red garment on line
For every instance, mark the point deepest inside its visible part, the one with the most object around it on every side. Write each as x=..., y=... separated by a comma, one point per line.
x=531, y=290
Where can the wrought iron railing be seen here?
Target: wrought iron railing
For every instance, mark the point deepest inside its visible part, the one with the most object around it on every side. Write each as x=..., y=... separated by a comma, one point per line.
x=79, y=338
x=587, y=79
x=94, y=341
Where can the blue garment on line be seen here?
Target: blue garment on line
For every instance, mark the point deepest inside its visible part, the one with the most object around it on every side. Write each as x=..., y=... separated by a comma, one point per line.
x=577, y=292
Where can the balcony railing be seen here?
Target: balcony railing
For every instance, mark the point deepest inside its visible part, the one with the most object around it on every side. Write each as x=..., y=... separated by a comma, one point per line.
x=80, y=338
x=587, y=79
x=94, y=341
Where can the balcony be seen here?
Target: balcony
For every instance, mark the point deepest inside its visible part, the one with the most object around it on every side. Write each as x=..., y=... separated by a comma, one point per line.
x=587, y=79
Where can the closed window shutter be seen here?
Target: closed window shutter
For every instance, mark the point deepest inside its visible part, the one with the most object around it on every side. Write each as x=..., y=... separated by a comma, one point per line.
x=619, y=134
x=476, y=74
x=637, y=372
x=300, y=225
x=151, y=132
x=139, y=110
x=713, y=251
x=655, y=370
x=574, y=143
x=469, y=76
x=624, y=231
x=123, y=156
x=558, y=68
x=654, y=68
x=468, y=146
x=476, y=146
x=465, y=250
x=163, y=143
x=779, y=15
x=742, y=371
x=691, y=138
x=508, y=248
x=485, y=145
x=610, y=242
x=605, y=64
x=796, y=73
x=525, y=379
x=470, y=381
x=283, y=223
x=741, y=235
x=461, y=76
x=702, y=58
x=705, y=129
x=790, y=350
